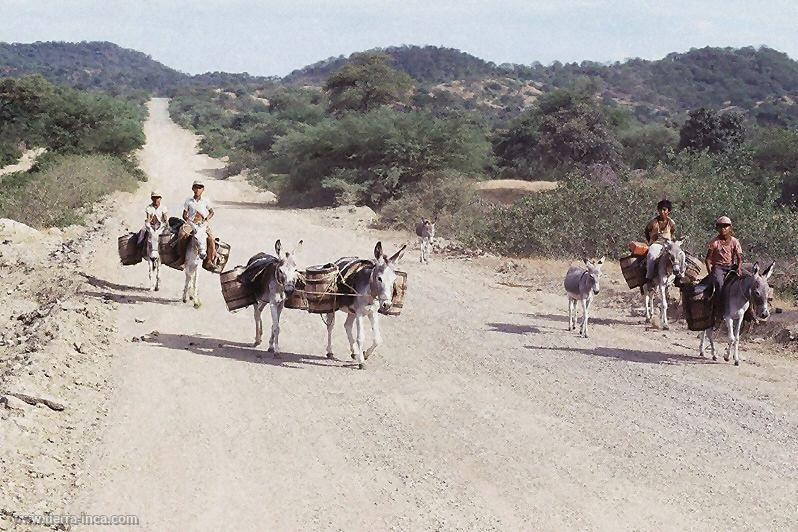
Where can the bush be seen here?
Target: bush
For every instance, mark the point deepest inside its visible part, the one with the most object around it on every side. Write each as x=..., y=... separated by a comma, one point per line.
x=55, y=193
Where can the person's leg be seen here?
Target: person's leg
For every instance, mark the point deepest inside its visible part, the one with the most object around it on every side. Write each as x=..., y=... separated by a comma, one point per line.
x=211, y=248
x=654, y=251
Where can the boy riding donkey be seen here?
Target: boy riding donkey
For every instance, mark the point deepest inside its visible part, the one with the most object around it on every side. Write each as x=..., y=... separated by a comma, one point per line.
x=155, y=216
x=658, y=232
x=197, y=210
x=724, y=254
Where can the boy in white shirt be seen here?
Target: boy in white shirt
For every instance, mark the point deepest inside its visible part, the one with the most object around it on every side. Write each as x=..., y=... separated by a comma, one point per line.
x=197, y=209
x=155, y=215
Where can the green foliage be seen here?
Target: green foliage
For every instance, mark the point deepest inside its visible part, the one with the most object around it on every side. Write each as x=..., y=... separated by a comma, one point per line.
x=584, y=218
x=365, y=83
x=706, y=129
x=380, y=152
x=562, y=130
x=65, y=120
x=57, y=192
x=646, y=145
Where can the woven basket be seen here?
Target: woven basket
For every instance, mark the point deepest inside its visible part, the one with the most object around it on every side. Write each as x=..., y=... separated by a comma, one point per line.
x=321, y=285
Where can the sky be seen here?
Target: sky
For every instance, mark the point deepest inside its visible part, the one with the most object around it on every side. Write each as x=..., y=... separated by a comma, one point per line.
x=276, y=37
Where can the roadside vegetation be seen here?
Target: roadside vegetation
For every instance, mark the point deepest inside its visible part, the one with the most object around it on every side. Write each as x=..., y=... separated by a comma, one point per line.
x=88, y=137
x=372, y=134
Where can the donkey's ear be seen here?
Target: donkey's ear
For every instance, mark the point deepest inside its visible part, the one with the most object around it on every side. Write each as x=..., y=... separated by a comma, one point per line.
x=755, y=269
x=298, y=247
x=378, y=251
x=585, y=260
x=398, y=255
x=600, y=261
x=769, y=270
x=278, y=247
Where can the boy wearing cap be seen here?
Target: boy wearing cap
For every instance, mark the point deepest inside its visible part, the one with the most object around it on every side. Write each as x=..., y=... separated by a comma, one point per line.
x=155, y=215
x=724, y=254
x=197, y=209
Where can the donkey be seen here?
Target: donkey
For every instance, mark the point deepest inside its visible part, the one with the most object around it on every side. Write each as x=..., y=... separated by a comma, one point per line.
x=273, y=279
x=737, y=296
x=373, y=290
x=152, y=233
x=671, y=263
x=582, y=284
x=196, y=251
x=425, y=230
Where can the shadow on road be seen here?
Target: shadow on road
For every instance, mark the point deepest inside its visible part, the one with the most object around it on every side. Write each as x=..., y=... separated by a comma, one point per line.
x=563, y=318
x=102, y=283
x=216, y=173
x=245, y=205
x=244, y=352
x=628, y=355
x=513, y=328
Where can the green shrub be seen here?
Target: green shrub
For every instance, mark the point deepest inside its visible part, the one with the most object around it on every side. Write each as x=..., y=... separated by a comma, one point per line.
x=60, y=187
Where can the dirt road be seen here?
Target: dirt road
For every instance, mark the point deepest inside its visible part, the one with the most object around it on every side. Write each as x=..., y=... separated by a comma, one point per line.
x=479, y=412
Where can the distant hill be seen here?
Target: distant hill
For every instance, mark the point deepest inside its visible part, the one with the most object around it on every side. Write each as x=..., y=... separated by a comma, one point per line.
x=761, y=81
x=88, y=65
x=105, y=66
x=427, y=64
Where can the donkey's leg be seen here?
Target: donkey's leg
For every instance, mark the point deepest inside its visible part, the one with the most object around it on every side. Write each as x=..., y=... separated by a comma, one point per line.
x=663, y=309
x=361, y=339
x=150, y=270
x=738, y=326
x=421, y=254
x=195, y=288
x=703, y=337
x=330, y=325
x=274, y=341
x=374, y=319
x=585, y=310
x=188, y=283
x=730, y=331
x=711, y=338
x=157, y=274
x=258, y=307
x=350, y=335
x=571, y=303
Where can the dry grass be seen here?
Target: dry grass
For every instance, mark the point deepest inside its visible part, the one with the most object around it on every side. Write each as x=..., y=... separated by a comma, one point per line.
x=508, y=191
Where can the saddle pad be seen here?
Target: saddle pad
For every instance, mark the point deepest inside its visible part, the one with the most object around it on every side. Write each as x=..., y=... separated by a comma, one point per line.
x=347, y=267
x=256, y=266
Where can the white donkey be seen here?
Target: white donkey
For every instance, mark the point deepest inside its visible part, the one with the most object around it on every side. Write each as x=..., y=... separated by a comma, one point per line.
x=425, y=230
x=582, y=284
x=152, y=233
x=196, y=251
x=738, y=295
x=273, y=279
x=373, y=287
x=671, y=263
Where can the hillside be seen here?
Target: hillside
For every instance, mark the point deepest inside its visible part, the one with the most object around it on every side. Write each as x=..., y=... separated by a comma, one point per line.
x=105, y=66
x=428, y=64
x=761, y=81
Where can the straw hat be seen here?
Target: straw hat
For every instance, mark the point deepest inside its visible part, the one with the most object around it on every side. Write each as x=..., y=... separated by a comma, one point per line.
x=198, y=183
x=155, y=194
x=723, y=220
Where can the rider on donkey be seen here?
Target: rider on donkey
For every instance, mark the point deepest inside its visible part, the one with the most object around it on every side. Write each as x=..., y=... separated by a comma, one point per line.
x=155, y=215
x=724, y=254
x=660, y=229
x=197, y=210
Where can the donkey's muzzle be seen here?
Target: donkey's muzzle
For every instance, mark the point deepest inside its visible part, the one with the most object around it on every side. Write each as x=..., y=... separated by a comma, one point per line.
x=385, y=305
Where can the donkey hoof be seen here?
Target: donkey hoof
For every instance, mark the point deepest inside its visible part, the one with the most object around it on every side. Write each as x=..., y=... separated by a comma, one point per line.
x=185, y=300
x=354, y=356
x=197, y=304
x=330, y=355
x=361, y=366
x=256, y=343
x=157, y=288
x=726, y=358
x=270, y=350
x=714, y=357
x=736, y=362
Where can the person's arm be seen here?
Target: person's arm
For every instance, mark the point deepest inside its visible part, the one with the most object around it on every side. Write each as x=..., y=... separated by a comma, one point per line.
x=647, y=233
x=707, y=260
x=738, y=252
x=210, y=214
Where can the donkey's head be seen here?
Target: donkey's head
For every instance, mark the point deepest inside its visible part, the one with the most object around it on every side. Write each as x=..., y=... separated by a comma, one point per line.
x=676, y=256
x=383, y=275
x=428, y=229
x=759, y=290
x=286, y=274
x=154, y=231
x=593, y=273
x=200, y=235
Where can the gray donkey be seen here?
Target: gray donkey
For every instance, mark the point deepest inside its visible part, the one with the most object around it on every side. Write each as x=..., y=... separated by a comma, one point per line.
x=373, y=290
x=272, y=279
x=669, y=265
x=582, y=284
x=738, y=295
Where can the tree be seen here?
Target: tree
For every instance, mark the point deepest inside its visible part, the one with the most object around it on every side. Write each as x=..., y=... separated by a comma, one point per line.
x=365, y=83
x=705, y=129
